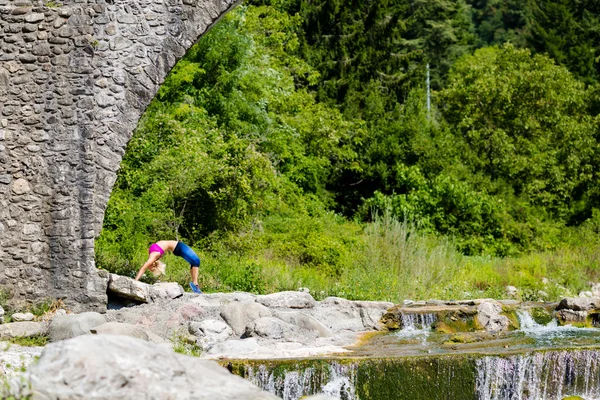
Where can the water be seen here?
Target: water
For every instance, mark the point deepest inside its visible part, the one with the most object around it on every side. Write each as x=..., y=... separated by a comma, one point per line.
x=542, y=376
x=416, y=326
x=333, y=379
x=537, y=362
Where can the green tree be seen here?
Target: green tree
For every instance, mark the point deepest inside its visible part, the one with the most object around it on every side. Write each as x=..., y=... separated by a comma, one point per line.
x=523, y=120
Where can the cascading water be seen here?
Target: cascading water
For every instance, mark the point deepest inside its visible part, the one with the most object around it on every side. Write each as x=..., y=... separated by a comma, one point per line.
x=333, y=379
x=536, y=362
x=547, y=375
x=416, y=325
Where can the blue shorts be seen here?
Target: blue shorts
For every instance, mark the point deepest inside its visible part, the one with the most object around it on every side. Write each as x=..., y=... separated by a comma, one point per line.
x=184, y=251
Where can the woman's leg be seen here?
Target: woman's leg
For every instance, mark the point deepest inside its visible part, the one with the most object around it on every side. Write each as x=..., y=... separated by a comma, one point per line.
x=194, y=273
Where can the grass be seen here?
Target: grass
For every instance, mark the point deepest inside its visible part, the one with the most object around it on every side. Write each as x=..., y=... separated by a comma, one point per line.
x=182, y=345
x=31, y=341
x=384, y=260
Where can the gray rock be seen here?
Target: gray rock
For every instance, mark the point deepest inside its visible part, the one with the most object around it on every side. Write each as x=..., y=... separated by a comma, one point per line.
x=288, y=299
x=209, y=332
x=238, y=315
x=68, y=326
x=221, y=299
x=236, y=348
x=22, y=317
x=276, y=329
x=165, y=291
x=511, y=291
x=21, y=329
x=104, y=367
x=339, y=314
x=579, y=303
x=128, y=288
x=118, y=328
x=567, y=316
x=489, y=316
x=304, y=321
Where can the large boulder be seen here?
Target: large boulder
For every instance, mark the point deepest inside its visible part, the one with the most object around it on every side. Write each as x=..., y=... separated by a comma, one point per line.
x=339, y=314
x=165, y=291
x=128, y=288
x=276, y=329
x=14, y=359
x=238, y=315
x=118, y=328
x=304, y=321
x=287, y=300
x=68, y=326
x=21, y=329
x=489, y=316
x=579, y=304
x=107, y=367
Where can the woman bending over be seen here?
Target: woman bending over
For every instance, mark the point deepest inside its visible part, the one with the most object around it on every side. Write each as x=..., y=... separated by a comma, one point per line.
x=178, y=248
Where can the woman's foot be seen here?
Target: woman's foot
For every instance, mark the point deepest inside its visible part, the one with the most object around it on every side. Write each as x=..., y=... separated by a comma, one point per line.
x=195, y=288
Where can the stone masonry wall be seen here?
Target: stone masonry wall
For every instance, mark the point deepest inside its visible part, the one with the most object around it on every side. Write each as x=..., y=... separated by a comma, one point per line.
x=75, y=77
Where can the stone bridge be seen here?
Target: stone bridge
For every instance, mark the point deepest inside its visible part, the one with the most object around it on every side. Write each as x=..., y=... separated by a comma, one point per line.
x=75, y=77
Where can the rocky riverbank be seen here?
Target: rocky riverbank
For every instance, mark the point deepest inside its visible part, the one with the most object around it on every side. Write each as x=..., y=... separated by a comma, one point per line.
x=130, y=347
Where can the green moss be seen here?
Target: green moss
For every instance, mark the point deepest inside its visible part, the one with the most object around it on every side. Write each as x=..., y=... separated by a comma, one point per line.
x=376, y=378
x=32, y=341
x=418, y=378
x=456, y=321
x=513, y=318
x=540, y=315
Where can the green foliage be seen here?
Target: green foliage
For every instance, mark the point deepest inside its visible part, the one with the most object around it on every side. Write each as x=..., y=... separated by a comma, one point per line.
x=302, y=154
x=183, y=345
x=30, y=341
x=521, y=120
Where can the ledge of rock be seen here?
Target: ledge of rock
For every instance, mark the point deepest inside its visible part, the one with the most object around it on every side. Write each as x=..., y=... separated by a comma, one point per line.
x=127, y=288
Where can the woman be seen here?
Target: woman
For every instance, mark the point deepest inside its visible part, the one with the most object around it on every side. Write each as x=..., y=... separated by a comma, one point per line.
x=178, y=248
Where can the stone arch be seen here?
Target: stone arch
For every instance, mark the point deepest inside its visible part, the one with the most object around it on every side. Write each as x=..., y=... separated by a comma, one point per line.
x=75, y=78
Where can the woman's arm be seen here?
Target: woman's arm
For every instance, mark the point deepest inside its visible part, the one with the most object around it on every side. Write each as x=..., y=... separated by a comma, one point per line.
x=151, y=259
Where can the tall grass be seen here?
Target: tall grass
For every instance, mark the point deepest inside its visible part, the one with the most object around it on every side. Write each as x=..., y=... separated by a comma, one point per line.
x=386, y=259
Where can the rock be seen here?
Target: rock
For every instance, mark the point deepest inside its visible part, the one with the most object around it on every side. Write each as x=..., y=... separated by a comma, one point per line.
x=236, y=348
x=511, y=291
x=585, y=294
x=21, y=329
x=14, y=359
x=68, y=326
x=118, y=328
x=221, y=299
x=579, y=303
x=288, y=299
x=165, y=291
x=128, y=288
x=1, y=311
x=22, y=317
x=239, y=315
x=489, y=316
x=276, y=329
x=104, y=367
x=339, y=314
x=371, y=313
x=304, y=321
x=210, y=332
x=567, y=317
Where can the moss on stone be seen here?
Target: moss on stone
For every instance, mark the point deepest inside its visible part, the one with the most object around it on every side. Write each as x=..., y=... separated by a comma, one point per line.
x=540, y=315
x=416, y=378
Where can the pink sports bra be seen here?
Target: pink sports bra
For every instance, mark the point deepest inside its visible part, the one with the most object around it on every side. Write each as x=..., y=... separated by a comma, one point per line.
x=156, y=248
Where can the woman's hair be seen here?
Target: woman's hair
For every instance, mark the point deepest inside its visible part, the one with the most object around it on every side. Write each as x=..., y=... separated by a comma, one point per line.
x=157, y=268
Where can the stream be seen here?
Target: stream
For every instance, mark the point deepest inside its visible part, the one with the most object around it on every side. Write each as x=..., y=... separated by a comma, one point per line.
x=541, y=362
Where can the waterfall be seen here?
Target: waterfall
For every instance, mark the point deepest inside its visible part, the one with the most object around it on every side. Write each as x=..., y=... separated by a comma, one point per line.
x=418, y=321
x=546, y=375
x=295, y=381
